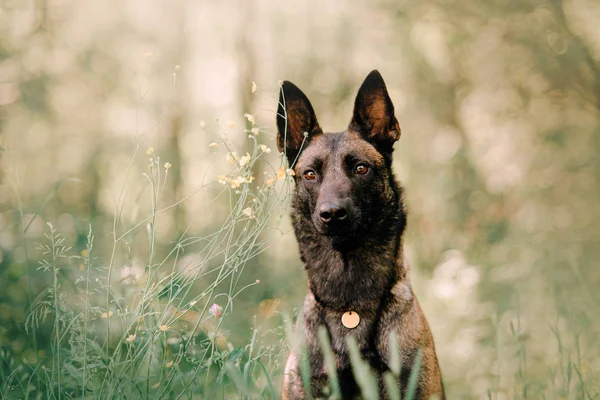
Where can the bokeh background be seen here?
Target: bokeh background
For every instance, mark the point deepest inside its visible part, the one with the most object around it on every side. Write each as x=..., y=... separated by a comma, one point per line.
x=499, y=104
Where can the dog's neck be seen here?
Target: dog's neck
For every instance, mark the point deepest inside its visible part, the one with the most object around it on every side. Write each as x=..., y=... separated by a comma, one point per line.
x=356, y=273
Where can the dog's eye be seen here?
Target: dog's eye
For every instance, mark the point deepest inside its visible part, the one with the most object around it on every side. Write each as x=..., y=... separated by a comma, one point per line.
x=361, y=169
x=310, y=175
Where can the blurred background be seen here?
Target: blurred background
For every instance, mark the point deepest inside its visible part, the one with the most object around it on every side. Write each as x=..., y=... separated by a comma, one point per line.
x=499, y=104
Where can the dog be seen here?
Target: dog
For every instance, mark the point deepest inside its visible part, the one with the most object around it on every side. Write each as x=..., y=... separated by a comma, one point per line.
x=349, y=220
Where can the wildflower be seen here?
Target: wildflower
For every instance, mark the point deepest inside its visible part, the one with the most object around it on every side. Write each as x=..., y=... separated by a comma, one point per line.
x=222, y=179
x=249, y=117
x=290, y=172
x=84, y=253
x=177, y=67
x=173, y=340
x=150, y=150
x=281, y=172
x=202, y=124
x=168, y=165
x=106, y=315
x=255, y=131
x=237, y=182
x=249, y=213
x=271, y=181
x=245, y=160
x=258, y=281
x=213, y=145
x=169, y=364
x=254, y=87
x=216, y=311
x=164, y=328
x=264, y=148
x=232, y=157
x=131, y=338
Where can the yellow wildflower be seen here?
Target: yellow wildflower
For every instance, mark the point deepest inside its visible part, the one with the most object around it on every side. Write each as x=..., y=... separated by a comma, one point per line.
x=281, y=172
x=271, y=181
x=232, y=157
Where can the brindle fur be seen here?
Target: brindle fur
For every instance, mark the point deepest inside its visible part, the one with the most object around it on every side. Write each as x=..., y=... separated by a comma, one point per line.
x=357, y=265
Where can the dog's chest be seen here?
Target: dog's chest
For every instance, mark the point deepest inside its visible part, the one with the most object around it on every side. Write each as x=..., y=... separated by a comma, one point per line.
x=362, y=334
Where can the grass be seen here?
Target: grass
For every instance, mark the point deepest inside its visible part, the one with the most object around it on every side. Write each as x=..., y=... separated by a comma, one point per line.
x=157, y=334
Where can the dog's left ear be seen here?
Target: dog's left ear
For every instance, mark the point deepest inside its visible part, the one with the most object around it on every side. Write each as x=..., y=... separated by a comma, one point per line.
x=296, y=121
x=373, y=114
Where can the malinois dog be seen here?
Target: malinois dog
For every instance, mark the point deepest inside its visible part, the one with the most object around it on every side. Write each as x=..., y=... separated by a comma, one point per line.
x=349, y=219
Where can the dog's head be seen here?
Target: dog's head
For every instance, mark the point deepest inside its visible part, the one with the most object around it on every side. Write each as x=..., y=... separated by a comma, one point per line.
x=343, y=180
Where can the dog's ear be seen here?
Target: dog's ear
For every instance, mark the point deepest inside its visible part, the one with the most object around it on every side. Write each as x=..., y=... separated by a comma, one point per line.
x=296, y=121
x=373, y=114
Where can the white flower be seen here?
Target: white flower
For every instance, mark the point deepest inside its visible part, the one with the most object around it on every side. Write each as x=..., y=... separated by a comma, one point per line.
x=249, y=213
x=213, y=145
x=255, y=131
x=245, y=160
x=254, y=87
x=249, y=117
x=236, y=182
x=222, y=179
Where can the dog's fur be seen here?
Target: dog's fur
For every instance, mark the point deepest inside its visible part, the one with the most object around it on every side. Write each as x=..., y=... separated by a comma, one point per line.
x=349, y=226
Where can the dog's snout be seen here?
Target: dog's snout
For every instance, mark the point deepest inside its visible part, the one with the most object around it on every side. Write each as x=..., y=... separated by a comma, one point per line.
x=330, y=212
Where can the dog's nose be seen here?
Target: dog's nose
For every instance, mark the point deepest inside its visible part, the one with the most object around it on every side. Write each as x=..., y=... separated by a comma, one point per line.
x=332, y=212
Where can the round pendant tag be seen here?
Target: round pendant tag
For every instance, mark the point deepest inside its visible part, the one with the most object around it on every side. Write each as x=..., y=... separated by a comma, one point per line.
x=350, y=319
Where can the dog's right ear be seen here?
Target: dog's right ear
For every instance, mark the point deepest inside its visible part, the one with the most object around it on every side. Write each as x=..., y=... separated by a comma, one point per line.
x=296, y=121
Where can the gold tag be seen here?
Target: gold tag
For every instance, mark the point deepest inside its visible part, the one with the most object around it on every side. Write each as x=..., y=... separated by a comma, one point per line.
x=350, y=319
